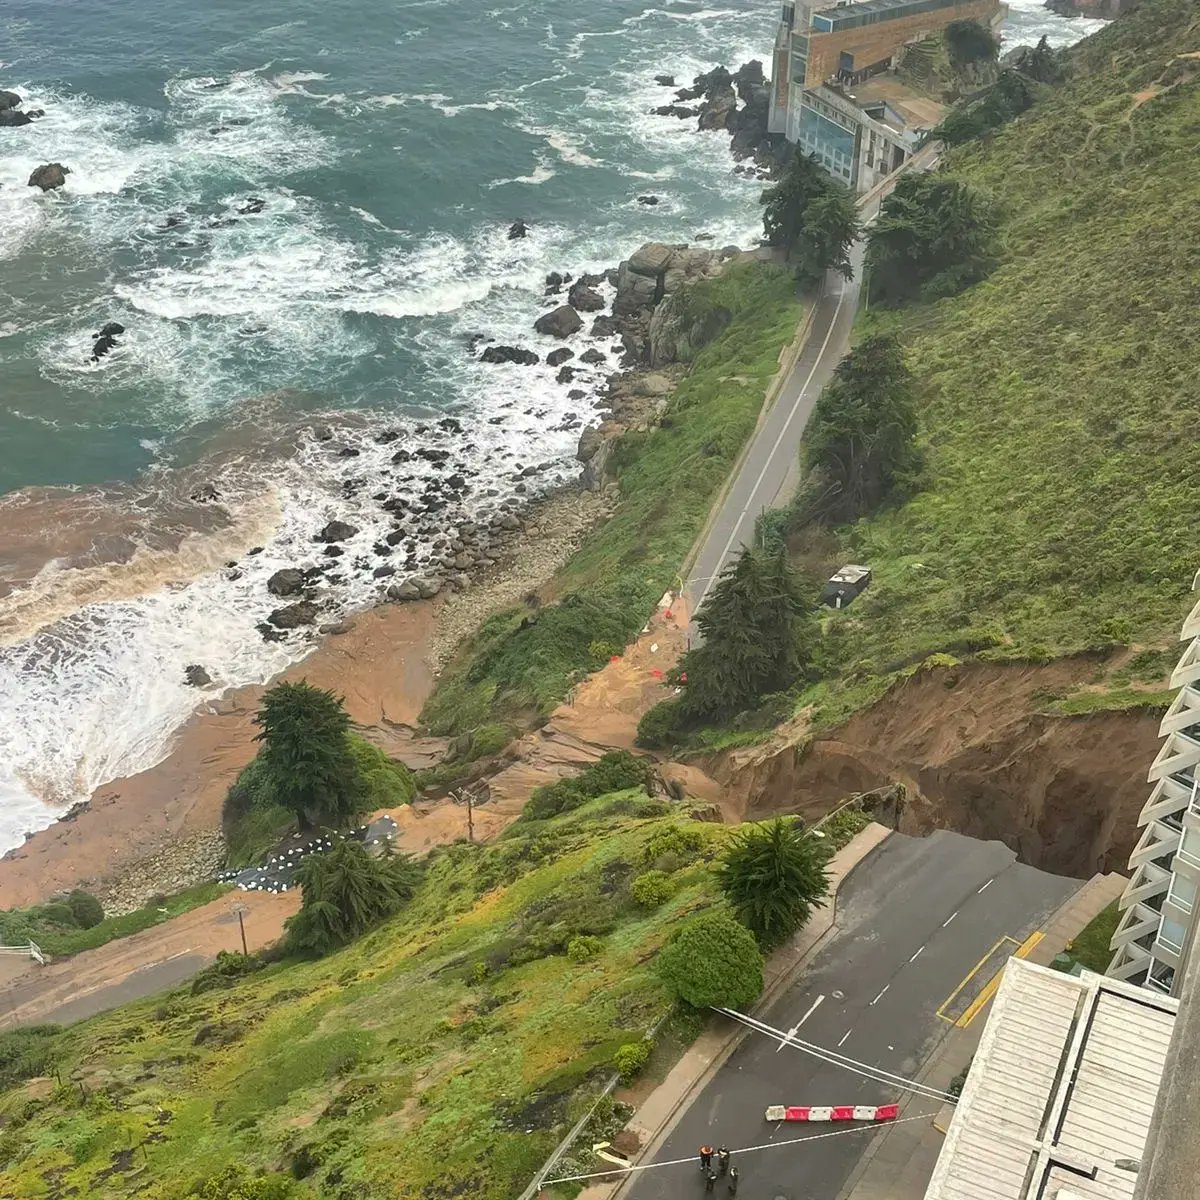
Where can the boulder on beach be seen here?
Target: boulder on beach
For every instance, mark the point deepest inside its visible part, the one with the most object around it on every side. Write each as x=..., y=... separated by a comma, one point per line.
x=518, y=229
x=292, y=616
x=583, y=298
x=509, y=354
x=336, y=531
x=560, y=322
x=604, y=327
x=194, y=675
x=593, y=357
x=556, y=358
x=286, y=582
x=401, y=592
x=590, y=440
x=49, y=176
x=565, y=375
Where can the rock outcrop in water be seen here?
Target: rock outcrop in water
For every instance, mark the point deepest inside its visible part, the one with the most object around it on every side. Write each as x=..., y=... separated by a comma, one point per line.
x=9, y=100
x=560, y=322
x=509, y=354
x=49, y=176
x=518, y=229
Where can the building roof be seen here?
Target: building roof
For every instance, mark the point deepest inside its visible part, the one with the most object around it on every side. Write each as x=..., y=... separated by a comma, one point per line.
x=1061, y=1089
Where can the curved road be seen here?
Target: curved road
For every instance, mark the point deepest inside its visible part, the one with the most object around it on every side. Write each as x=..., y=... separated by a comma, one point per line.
x=768, y=472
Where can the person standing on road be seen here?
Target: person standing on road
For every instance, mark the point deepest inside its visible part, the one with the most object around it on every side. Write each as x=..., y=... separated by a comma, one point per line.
x=733, y=1181
x=723, y=1157
x=706, y=1153
x=710, y=1180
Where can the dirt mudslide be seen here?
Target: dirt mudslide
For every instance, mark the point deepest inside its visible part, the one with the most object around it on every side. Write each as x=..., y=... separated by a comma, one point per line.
x=975, y=756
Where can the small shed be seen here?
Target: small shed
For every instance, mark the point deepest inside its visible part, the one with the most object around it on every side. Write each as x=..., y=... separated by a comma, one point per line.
x=845, y=584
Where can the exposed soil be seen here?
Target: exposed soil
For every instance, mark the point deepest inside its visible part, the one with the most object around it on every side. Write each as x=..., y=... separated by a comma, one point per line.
x=975, y=756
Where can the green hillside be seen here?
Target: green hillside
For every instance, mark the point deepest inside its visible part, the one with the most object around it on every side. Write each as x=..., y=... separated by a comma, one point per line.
x=444, y=1054
x=1059, y=399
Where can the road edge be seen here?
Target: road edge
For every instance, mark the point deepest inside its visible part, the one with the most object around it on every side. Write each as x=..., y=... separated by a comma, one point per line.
x=781, y=971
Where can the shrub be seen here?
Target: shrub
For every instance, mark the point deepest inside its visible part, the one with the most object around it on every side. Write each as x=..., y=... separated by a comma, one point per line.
x=656, y=729
x=583, y=947
x=712, y=960
x=631, y=1059
x=389, y=784
x=652, y=889
x=673, y=842
x=235, y=1183
x=26, y=1053
x=85, y=909
x=613, y=772
x=228, y=968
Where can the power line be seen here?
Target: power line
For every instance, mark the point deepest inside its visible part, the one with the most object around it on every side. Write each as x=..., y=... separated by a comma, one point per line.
x=877, y=1074
x=675, y=1162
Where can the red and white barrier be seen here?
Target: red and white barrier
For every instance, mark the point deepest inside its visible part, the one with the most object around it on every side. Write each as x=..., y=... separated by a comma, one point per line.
x=837, y=1112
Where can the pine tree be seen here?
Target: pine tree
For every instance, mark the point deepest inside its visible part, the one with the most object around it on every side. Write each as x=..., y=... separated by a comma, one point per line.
x=306, y=755
x=772, y=874
x=812, y=218
x=860, y=445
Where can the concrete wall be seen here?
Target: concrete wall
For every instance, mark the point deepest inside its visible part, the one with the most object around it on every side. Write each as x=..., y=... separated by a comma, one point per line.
x=871, y=44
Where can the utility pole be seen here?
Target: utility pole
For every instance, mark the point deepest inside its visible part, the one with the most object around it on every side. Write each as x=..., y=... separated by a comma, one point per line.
x=240, y=908
x=470, y=817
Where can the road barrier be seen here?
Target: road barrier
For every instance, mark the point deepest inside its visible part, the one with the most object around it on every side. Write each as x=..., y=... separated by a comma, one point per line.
x=837, y=1112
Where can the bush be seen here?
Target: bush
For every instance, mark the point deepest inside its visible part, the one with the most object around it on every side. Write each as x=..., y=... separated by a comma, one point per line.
x=631, y=1059
x=389, y=783
x=26, y=1053
x=712, y=961
x=583, y=947
x=225, y=972
x=614, y=772
x=235, y=1183
x=674, y=843
x=652, y=889
x=656, y=729
x=85, y=909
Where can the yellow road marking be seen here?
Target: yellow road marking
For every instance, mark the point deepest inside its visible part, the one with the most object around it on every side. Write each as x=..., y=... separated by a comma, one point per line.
x=968, y=977
x=1022, y=951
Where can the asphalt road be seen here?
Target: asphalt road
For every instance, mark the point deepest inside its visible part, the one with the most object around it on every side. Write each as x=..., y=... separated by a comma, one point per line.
x=769, y=471
x=914, y=921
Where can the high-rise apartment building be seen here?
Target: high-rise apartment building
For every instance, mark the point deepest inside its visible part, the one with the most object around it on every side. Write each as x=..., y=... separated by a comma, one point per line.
x=1158, y=907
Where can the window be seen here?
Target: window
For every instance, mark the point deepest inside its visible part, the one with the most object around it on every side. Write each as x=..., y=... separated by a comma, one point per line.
x=1161, y=977
x=1189, y=845
x=1182, y=892
x=1171, y=935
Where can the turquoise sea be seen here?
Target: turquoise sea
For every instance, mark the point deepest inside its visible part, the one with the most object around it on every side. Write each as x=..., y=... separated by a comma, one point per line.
x=299, y=211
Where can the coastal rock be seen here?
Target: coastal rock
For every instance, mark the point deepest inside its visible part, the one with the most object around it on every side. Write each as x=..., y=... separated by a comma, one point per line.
x=286, y=582
x=401, y=592
x=565, y=375
x=292, y=616
x=665, y=80
x=555, y=281
x=560, y=322
x=593, y=357
x=196, y=676
x=9, y=100
x=656, y=270
x=255, y=204
x=509, y=354
x=748, y=77
x=518, y=229
x=206, y=493
x=14, y=117
x=649, y=201
x=604, y=327
x=590, y=440
x=556, y=358
x=428, y=586
x=649, y=260
x=584, y=298
x=49, y=176
x=679, y=329
x=718, y=107
x=337, y=628
x=675, y=110
x=336, y=531
x=110, y=329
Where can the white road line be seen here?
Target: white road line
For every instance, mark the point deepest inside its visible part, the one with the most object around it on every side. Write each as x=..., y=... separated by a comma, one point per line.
x=915, y=955
x=985, y=886
x=880, y=996
x=795, y=1028
x=949, y=919
x=737, y=525
x=846, y=1035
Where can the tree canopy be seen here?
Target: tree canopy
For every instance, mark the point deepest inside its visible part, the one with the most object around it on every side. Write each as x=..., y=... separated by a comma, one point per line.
x=1007, y=98
x=754, y=623
x=773, y=874
x=812, y=218
x=712, y=960
x=344, y=892
x=860, y=444
x=306, y=757
x=933, y=238
x=970, y=42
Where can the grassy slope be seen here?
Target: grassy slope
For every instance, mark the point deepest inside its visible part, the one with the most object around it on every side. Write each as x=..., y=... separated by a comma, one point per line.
x=412, y=1063
x=522, y=662
x=1059, y=398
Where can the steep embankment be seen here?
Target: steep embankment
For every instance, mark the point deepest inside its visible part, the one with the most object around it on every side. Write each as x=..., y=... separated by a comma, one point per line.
x=1060, y=505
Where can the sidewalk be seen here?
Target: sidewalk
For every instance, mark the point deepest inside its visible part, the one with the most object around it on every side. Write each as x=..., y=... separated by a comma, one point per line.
x=899, y=1161
x=657, y=1115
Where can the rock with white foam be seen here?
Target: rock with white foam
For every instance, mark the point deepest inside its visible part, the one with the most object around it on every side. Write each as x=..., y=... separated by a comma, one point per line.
x=49, y=176
x=560, y=322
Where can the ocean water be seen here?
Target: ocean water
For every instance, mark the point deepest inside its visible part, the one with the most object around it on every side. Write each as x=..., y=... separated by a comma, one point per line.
x=391, y=145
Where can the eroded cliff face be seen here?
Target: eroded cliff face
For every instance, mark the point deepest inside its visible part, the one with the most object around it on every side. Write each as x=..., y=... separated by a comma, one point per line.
x=975, y=756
